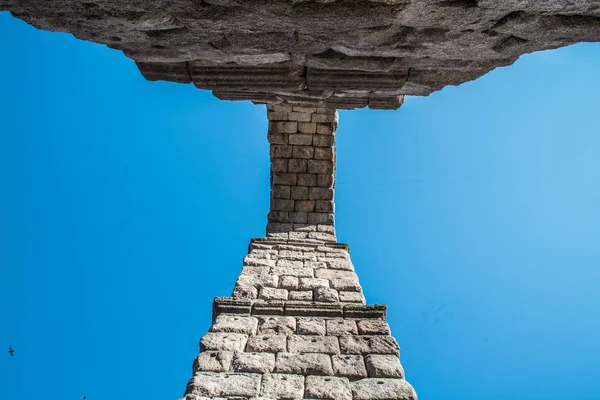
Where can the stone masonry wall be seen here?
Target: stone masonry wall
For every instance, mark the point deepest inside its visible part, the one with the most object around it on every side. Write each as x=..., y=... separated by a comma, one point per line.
x=297, y=326
x=302, y=172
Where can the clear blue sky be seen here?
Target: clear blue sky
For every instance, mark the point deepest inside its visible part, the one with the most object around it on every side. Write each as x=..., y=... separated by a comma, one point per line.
x=127, y=205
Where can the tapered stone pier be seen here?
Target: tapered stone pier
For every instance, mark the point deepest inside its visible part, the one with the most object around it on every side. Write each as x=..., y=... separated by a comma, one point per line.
x=297, y=325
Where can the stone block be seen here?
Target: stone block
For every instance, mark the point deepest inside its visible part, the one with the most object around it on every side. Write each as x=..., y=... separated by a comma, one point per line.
x=369, y=345
x=323, y=153
x=279, y=165
x=280, y=178
x=324, y=206
x=326, y=295
x=219, y=341
x=371, y=311
x=340, y=327
x=245, y=292
x=311, y=326
x=328, y=388
x=252, y=270
x=299, y=193
x=320, y=193
x=338, y=263
x=319, y=166
x=346, y=284
x=323, y=140
x=298, y=116
x=298, y=217
x=298, y=165
x=312, y=283
x=307, y=179
x=383, y=366
x=289, y=263
x=276, y=325
x=313, y=344
x=280, y=191
x=288, y=282
x=351, y=297
x=304, y=364
x=282, y=205
x=300, y=139
x=228, y=305
x=269, y=293
x=282, y=386
x=267, y=344
x=325, y=118
x=320, y=218
x=313, y=309
x=382, y=389
x=266, y=280
x=294, y=271
x=325, y=129
x=268, y=307
x=305, y=206
x=279, y=216
x=325, y=180
x=373, y=327
x=305, y=110
x=349, y=366
x=262, y=363
x=306, y=152
x=307, y=127
x=330, y=274
x=215, y=384
x=275, y=138
x=302, y=295
x=213, y=361
x=283, y=126
x=235, y=324
x=281, y=151
x=277, y=115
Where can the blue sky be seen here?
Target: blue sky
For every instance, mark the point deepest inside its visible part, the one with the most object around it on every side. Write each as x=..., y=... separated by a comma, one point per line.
x=127, y=205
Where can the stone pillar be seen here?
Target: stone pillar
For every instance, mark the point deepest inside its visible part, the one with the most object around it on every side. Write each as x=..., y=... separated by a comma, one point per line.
x=297, y=326
x=302, y=172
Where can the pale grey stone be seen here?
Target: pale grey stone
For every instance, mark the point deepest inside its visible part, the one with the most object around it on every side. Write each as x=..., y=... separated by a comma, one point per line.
x=282, y=386
x=382, y=389
x=351, y=297
x=313, y=344
x=290, y=264
x=262, y=363
x=373, y=327
x=303, y=295
x=219, y=341
x=276, y=325
x=369, y=345
x=349, y=366
x=288, y=282
x=328, y=388
x=346, y=284
x=245, y=291
x=340, y=327
x=304, y=364
x=293, y=271
x=330, y=274
x=269, y=293
x=213, y=384
x=384, y=366
x=267, y=344
x=213, y=361
x=326, y=295
x=311, y=326
x=235, y=324
x=312, y=283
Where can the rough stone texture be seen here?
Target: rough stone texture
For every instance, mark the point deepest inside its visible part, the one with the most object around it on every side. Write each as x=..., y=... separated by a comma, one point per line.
x=341, y=54
x=382, y=389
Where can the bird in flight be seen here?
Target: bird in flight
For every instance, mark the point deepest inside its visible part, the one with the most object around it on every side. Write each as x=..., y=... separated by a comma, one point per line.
x=11, y=351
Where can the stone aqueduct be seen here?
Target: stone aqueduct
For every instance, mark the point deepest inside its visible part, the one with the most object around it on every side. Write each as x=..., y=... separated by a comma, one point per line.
x=297, y=325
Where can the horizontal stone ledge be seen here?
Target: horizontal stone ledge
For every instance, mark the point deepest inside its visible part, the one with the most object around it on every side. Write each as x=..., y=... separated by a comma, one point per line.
x=304, y=243
x=297, y=308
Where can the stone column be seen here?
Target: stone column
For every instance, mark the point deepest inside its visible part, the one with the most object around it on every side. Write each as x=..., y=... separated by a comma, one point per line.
x=302, y=172
x=297, y=326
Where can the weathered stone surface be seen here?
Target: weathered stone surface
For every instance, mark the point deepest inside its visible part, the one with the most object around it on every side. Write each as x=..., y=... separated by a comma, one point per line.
x=267, y=343
x=235, y=324
x=262, y=363
x=373, y=327
x=282, y=386
x=213, y=361
x=328, y=388
x=343, y=54
x=276, y=325
x=223, y=341
x=382, y=389
x=369, y=345
x=383, y=366
x=326, y=295
x=349, y=366
x=313, y=344
x=211, y=384
x=311, y=326
x=340, y=327
x=304, y=364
